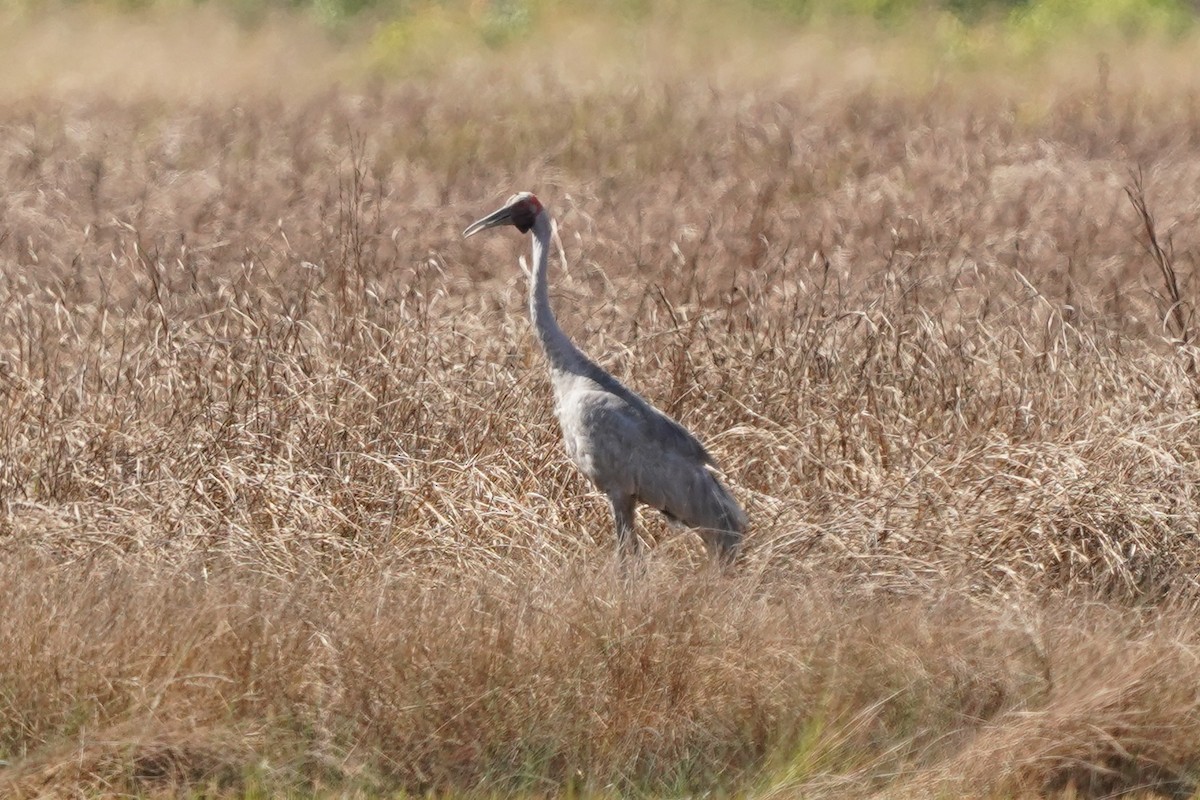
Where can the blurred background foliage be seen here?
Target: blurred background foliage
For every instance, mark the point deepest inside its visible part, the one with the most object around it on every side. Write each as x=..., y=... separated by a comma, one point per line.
x=503, y=19
x=417, y=36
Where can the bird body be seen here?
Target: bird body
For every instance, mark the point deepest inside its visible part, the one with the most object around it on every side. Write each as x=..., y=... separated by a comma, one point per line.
x=625, y=446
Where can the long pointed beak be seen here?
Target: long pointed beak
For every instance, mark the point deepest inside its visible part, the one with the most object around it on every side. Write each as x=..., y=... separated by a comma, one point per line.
x=499, y=217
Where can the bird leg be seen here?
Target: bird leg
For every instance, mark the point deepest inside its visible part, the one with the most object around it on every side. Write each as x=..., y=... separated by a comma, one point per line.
x=627, y=540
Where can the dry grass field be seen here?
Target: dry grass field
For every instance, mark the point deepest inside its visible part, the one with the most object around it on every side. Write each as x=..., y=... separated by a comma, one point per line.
x=285, y=508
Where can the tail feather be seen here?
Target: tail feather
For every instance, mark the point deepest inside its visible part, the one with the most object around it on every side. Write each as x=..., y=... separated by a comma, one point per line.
x=732, y=517
x=724, y=541
x=707, y=506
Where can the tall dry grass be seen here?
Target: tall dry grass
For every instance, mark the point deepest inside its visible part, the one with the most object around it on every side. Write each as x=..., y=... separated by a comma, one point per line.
x=285, y=507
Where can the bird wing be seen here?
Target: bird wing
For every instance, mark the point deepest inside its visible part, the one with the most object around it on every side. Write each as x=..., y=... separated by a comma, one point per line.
x=674, y=479
x=670, y=434
x=656, y=426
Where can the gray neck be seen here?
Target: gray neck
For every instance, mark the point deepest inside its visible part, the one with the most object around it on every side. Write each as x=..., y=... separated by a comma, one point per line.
x=564, y=357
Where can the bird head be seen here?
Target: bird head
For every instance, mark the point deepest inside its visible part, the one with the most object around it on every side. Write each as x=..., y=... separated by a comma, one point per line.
x=520, y=210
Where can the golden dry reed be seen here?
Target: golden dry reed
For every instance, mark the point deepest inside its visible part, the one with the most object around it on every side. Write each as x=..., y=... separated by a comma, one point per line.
x=285, y=508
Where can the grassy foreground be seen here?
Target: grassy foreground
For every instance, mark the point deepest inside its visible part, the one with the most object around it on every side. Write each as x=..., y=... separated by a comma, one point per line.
x=285, y=509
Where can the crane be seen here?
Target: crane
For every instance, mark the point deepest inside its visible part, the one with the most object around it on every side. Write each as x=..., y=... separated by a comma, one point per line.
x=631, y=451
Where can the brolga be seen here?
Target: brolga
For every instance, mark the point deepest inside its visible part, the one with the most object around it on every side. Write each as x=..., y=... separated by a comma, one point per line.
x=631, y=451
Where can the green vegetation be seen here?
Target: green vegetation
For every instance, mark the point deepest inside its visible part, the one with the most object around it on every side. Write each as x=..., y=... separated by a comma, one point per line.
x=1022, y=19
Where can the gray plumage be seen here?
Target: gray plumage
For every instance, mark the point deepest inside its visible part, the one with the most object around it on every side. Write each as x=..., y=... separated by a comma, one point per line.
x=628, y=448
